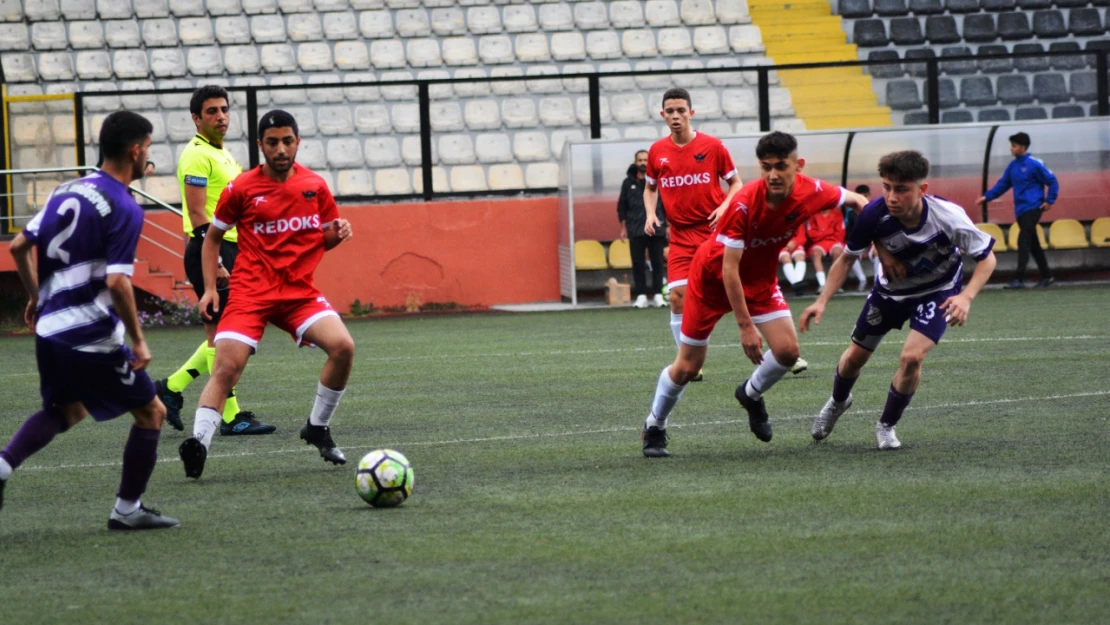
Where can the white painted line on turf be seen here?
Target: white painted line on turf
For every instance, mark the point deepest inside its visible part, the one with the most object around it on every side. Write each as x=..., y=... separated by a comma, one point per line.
x=617, y=430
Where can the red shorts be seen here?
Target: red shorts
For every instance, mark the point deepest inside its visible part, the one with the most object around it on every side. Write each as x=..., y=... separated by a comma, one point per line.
x=826, y=246
x=245, y=319
x=684, y=244
x=706, y=302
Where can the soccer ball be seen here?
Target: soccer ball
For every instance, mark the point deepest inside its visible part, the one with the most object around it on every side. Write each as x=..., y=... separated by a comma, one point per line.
x=384, y=478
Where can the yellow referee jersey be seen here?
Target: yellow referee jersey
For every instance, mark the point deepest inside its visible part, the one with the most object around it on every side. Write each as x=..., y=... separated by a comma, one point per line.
x=205, y=165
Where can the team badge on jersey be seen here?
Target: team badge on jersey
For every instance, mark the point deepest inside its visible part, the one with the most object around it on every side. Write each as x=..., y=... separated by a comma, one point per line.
x=309, y=195
x=700, y=157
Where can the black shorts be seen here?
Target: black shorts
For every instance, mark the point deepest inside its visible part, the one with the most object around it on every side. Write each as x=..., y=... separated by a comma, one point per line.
x=228, y=253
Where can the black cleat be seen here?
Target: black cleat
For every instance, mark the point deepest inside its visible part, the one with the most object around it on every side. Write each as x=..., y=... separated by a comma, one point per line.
x=245, y=424
x=655, y=442
x=173, y=402
x=1046, y=282
x=193, y=454
x=142, y=519
x=320, y=436
x=757, y=414
x=700, y=377
x=1016, y=284
x=799, y=289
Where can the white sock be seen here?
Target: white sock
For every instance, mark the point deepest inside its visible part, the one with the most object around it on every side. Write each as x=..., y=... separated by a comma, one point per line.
x=205, y=424
x=666, y=396
x=125, y=507
x=5, y=469
x=676, y=329
x=857, y=269
x=800, y=269
x=327, y=400
x=765, y=376
x=791, y=275
x=821, y=279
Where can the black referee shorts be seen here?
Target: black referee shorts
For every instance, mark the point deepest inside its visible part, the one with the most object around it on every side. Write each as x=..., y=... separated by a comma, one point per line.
x=228, y=253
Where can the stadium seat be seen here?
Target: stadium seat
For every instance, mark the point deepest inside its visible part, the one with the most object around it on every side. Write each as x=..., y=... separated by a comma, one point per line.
x=500, y=87
x=531, y=48
x=887, y=70
x=294, y=6
x=902, y=95
x=962, y=6
x=1050, y=88
x=240, y=60
x=926, y=7
x=745, y=38
x=919, y=70
x=375, y=24
x=165, y=188
x=582, y=109
x=587, y=16
x=989, y=65
x=266, y=29
x=646, y=133
x=493, y=148
x=382, y=152
x=1085, y=22
x=520, y=18
x=780, y=103
x=15, y=36
x=471, y=89
x=304, y=27
x=1067, y=111
x=709, y=104
x=1014, y=26
x=620, y=257
x=232, y=30
x=709, y=40
x=870, y=33
x=457, y=149
x=468, y=178
x=1066, y=63
x=638, y=43
x=979, y=28
x=854, y=9
x=589, y=255
x=960, y=116
x=733, y=12
x=1012, y=237
x=483, y=20
x=53, y=66
x=423, y=53
x=495, y=49
x=315, y=57
x=352, y=55
x=306, y=121
x=412, y=153
x=259, y=7
x=698, y=12
x=547, y=85
x=387, y=53
x=406, y=118
x=1014, y=89
x=506, y=177
x=448, y=22
x=72, y=10
x=977, y=91
x=994, y=115
x=352, y=182
x=1049, y=24
x=335, y=120
x=411, y=23
x=337, y=26
x=122, y=34
x=891, y=8
x=560, y=137
x=906, y=31
x=324, y=88
x=187, y=8
x=997, y=5
x=557, y=111
x=946, y=90
x=531, y=146
x=557, y=17
x=1083, y=86
x=674, y=42
x=569, y=46
x=1067, y=234
x=460, y=51
x=196, y=31
x=344, y=153
x=953, y=68
x=1100, y=232
x=1030, y=64
x=941, y=29
x=49, y=36
x=1030, y=113
x=482, y=115
x=626, y=14
x=130, y=64
x=276, y=58
x=541, y=175
x=603, y=44
x=113, y=9
x=446, y=117
x=440, y=184
x=662, y=13
x=687, y=81
x=519, y=113
x=725, y=79
x=392, y=182
x=995, y=232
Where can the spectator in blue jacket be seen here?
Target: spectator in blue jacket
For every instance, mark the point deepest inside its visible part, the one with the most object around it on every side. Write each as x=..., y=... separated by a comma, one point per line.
x=1028, y=176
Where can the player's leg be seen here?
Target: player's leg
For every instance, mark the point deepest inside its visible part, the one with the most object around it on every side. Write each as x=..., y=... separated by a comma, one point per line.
x=777, y=328
x=1036, y=250
x=170, y=389
x=799, y=258
x=326, y=331
x=901, y=391
x=848, y=371
x=34, y=435
x=140, y=454
x=817, y=255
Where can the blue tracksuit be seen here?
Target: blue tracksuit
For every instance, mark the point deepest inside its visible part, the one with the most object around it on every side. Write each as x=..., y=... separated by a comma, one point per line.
x=1028, y=176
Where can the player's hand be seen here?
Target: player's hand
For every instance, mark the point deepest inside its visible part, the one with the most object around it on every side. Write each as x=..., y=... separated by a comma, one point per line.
x=982, y=200
x=1045, y=206
x=813, y=312
x=624, y=233
x=752, y=343
x=209, y=299
x=343, y=228
x=223, y=278
x=142, y=356
x=716, y=215
x=650, y=224
x=955, y=309
x=893, y=269
x=31, y=314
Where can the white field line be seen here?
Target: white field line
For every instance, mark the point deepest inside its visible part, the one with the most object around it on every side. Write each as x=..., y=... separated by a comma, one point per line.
x=568, y=433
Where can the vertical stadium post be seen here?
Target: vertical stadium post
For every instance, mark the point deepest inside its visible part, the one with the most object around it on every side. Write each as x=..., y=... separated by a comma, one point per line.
x=932, y=88
x=79, y=127
x=764, y=99
x=987, y=169
x=847, y=153
x=425, y=138
x=595, y=106
x=252, y=127
x=1101, y=82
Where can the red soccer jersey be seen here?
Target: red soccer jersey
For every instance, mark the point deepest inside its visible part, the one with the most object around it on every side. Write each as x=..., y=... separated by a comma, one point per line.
x=281, y=237
x=688, y=179
x=762, y=232
x=824, y=227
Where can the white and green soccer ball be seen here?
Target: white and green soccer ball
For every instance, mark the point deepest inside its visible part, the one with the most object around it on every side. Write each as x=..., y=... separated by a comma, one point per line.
x=384, y=478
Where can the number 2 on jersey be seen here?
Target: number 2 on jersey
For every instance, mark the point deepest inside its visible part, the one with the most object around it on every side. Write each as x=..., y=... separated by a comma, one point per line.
x=54, y=250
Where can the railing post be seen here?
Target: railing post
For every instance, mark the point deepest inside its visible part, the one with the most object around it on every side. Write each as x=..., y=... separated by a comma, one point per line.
x=79, y=127
x=252, y=127
x=595, y=107
x=764, y=99
x=425, y=138
x=932, y=84
x=1101, y=82
x=987, y=168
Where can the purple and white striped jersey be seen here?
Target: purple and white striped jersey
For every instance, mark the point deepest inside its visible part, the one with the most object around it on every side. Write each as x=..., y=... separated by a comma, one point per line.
x=932, y=251
x=89, y=229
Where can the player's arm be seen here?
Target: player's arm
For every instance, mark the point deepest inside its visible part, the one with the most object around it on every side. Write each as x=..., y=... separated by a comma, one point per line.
x=734, y=288
x=21, y=249
x=838, y=273
x=337, y=232
x=196, y=198
x=210, y=266
x=734, y=186
x=123, y=300
x=651, y=197
x=1003, y=185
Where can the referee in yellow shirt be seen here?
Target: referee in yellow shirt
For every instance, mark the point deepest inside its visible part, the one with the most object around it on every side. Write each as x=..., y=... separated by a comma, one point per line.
x=205, y=168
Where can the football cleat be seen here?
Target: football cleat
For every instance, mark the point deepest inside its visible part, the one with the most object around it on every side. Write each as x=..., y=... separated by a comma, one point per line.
x=173, y=403
x=657, y=301
x=193, y=454
x=245, y=424
x=800, y=365
x=800, y=289
x=758, y=420
x=142, y=519
x=320, y=436
x=641, y=301
x=826, y=419
x=699, y=377
x=1046, y=282
x=886, y=437
x=1016, y=284
x=655, y=442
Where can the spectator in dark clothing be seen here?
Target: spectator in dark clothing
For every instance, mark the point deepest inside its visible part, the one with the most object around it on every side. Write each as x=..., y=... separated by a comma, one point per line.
x=633, y=216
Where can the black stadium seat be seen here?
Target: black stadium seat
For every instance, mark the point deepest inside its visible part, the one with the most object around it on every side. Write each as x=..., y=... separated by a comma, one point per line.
x=941, y=29
x=1014, y=25
x=1050, y=88
x=1031, y=64
x=962, y=6
x=916, y=118
x=926, y=7
x=1030, y=5
x=919, y=54
x=994, y=115
x=1014, y=89
x=989, y=65
x=891, y=8
x=997, y=5
x=855, y=8
x=977, y=91
x=956, y=117
x=1066, y=63
x=1085, y=22
x=979, y=28
x=1071, y=4
x=1049, y=24
x=1083, y=86
x=906, y=31
x=892, y=70
x=947, y=90
x=902, y=95
x=869, y=33
x=957, y=67
x=1030, y=112
x=1067, y=111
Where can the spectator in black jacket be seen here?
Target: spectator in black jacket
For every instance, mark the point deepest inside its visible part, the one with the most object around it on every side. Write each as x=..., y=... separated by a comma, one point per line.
x=632, y=215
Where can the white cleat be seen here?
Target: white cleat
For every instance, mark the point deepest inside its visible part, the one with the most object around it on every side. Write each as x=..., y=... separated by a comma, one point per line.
x=657, y=301
x=886, y=437
x=800, y=365
x=641, y=301
x=825, y=421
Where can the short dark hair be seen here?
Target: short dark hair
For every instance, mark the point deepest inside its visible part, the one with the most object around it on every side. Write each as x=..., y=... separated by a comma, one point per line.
x=906, y=166
x=863, y=189
x=677, y=93
x=277, y=118
x=120, y=131
x=205, y=93
x=1021, y=139
x=778, y=144
x=639, y=152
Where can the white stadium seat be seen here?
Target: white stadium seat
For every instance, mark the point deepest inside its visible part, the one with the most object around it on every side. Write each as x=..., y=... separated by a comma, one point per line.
x=483, y=20
x=515, y=87
x=174, y=100
x=406, y=118
x=288, y=96
x=217, y=8
x=448, y=22
x=495, y=49
x=780, y=103
x=403, y=4
x=73, y=10
x=745, y=39
x=334, y=120
x=630, y=108
x=708, y=103
x=237, y=126
x=196, y=31
x=15, y=37
x=446, y=117
x=725, y=79
x=372, y=119
x=122, y=33
x=412, y=23
x=167, y=62
x=233, y=29
x=638, y=43
x=493, y=148
x=187, y=8
x=387, y=53
x=295, y=6
x=655, y=80
x=49, y=36
x=568, y=46
x=531, y=146
x=352, y=55
x=506, y=177
x=160, y=154
x=519, y=113
x=649, y=133
x=603, y=44
x=471, y=89
x=147, y=9
x=438, y=3
x=460, y=51
x=698, y=12
x=626, y=14
x=340, y=26
x=482, y=115
x=325, y=88
x=471, y=178
x=440, y=183
x=456, y=150
x=424, y=53
x=330, y=6
x=165, y=188
x=138, y=102
x=616, y=83
x=577, y=85
x=304, y=27
x=355, y=181
x=560, y=137
x=113, y=9
x=739, y=103
x=361, y=94
x=205, y=61
x=311, y=153
x=541, y=175
x=306, y=120
x=688, y=81
x=662, y=13
x=240, y=97
x=582, y=110
x=437, y=91
x=590, y=16
x=259, y=7
x=130, y=64
x=519, y=18
x=268, y=29
x=382, y=152
x=555, y=17
x=789, y=124
x=412, y=153
x=19, y=67
x=544, y=86
x=375, y=24
x=397, y=92
x=242, y=60
x=557, y=111
x=392, y=182
x=716, y=129
x=344, y=153
x=159, y=33
x=180, y=126
x=711, y=40
x=675, y=42
x=733, y=12
x=29, y=128
x=93, y=65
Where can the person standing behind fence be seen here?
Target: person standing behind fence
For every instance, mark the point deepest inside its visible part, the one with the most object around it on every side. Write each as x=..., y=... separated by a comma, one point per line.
x=1028, y=176
x=633, y=216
